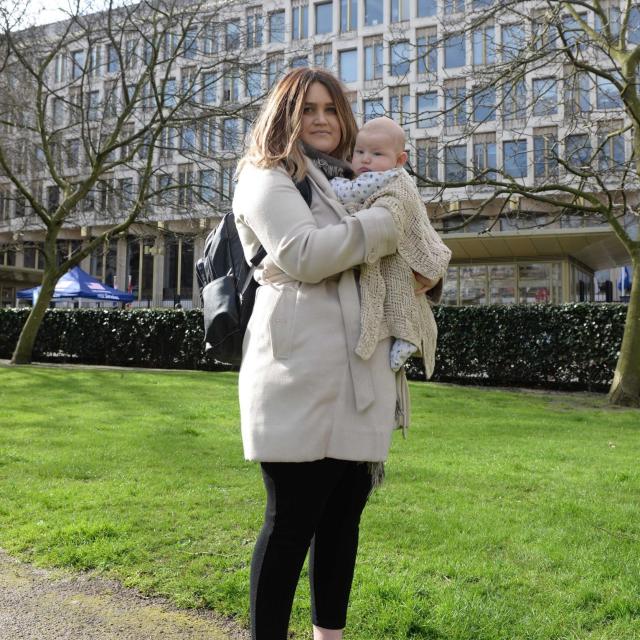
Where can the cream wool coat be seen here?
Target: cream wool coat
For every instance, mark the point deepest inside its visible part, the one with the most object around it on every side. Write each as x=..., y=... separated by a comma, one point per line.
x=304, y=393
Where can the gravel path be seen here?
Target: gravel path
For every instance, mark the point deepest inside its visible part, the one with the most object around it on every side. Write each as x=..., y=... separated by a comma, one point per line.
x=38, y=604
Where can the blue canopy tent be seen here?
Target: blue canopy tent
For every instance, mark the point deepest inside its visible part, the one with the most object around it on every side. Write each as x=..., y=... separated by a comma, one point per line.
x=77, y=283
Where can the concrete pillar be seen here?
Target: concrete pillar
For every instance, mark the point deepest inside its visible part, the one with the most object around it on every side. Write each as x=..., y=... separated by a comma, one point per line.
x=121, y=264
x=198, y=250
x=158, y=271
x=85, y=263
x=20, y=256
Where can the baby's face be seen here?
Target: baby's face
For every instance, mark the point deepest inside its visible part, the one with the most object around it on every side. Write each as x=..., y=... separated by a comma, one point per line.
x=375, y=151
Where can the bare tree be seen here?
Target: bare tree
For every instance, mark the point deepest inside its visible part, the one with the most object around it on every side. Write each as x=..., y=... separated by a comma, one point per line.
x=94, y=111
x=558, y=83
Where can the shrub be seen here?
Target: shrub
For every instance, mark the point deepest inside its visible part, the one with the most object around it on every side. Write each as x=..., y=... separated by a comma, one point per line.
x=572, y=346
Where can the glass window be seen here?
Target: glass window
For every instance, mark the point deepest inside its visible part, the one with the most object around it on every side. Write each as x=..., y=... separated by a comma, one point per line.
x=399, y=10
x=484, y=46
x=427, y=50
x=578, y=150
x=113, y=64
x=322, y=56
x=255, y=27
x=534, y=283
x=253, y=81
x=611, y=24
x=427, y=8
x=188, y=139
x=473, y=285
x=514, y=153
x=453, y=6
x=209, y=88
x=633, y=27
x=348, y=61
x=275, y=67
x=373, y=59
x=208, y=138
x=454, y=51
x=207, y=185
x=611, y=155
x=232, y=34
x=545, y=96
x=544, y=34
x=300, y=22
x=426, y=160
x=77, y=63
x=400, y=105
x=93, y=112
x=607, y=94
x=573, y=33
x=484, y=159
x=427, y=109
x=455, y=104
x=577, y=90
x=400, y=53
x=372, y=109
x=324, y=17
x=299, y=61
x=230, y=134
x=373, y=12
x=190, y=45
x=455, y=163
x=502, y=284
x=276, y=26
x=169, y=93
x=450, y=289
x=513, y=41
x=545, y=155
x=515, y=100
x=348, y=15
x=484, y=105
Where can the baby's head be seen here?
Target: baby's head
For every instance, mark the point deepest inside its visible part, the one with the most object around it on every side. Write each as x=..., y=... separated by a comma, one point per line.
x=379, y=146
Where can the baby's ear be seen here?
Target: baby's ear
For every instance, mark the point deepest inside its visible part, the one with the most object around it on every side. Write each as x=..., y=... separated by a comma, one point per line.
x=402, y=159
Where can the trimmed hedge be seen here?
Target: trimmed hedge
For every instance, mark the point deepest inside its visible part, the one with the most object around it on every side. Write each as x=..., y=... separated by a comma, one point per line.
x=572, y=346
x=166, y=339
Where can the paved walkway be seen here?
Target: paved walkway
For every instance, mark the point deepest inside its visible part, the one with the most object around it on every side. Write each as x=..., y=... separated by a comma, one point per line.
x=38, y=604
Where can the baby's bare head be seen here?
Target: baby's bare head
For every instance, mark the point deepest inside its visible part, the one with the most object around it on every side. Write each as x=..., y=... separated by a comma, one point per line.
x=386, y=127
x=379, y=146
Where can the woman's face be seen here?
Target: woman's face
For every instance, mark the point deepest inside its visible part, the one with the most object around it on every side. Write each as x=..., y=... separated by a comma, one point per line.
x=320, y=124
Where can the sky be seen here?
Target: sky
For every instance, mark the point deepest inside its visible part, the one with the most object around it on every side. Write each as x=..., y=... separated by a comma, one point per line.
x=46, y=11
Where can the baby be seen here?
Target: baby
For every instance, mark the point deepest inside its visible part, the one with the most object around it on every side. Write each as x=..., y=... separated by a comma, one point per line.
x=390, y=304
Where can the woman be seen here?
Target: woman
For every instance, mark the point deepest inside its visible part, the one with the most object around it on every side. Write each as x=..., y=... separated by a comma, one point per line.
x=313, y=413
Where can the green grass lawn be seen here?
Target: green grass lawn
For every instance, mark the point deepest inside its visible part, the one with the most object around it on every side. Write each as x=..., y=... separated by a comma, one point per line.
x=505, y=515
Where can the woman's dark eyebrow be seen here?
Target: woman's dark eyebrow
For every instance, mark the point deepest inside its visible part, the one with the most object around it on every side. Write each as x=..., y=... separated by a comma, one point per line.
x=315, y=104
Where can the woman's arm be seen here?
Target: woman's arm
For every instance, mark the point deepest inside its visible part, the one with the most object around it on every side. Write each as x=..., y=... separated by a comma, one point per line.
x=267, y=201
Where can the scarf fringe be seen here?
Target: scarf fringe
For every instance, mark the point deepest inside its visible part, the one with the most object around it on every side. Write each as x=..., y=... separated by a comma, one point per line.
x=376, y=471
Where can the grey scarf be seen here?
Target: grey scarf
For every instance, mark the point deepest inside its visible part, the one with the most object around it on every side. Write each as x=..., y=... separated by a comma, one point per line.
x=330, y=166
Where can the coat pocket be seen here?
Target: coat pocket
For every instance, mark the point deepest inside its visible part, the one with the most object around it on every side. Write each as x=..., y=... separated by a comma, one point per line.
x=282, y=321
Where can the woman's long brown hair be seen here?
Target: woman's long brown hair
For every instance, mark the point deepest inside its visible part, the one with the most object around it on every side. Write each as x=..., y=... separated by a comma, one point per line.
x=276, y=132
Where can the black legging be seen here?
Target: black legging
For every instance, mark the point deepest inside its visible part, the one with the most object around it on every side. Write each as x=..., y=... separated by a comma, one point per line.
x=308, y=503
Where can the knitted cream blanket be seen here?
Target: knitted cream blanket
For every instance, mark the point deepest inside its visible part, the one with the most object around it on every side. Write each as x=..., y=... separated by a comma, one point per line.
x=389, y=306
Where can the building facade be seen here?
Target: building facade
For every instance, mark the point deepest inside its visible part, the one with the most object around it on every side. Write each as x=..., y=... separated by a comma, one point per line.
x=394, y=57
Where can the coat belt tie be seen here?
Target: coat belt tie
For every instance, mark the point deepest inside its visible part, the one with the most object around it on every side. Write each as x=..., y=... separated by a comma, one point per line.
x=360, y=373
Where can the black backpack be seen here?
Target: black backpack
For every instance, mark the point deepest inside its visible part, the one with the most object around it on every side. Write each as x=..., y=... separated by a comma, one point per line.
x=227, y=287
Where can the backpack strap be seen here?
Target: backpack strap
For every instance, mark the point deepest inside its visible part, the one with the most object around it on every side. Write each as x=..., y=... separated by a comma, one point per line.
x=259, y=257
x=304, y=187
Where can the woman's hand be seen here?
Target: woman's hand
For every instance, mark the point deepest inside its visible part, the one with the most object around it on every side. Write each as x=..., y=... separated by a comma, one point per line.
x=426, y=284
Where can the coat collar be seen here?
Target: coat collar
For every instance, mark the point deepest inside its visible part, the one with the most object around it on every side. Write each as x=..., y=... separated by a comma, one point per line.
x=323, y=187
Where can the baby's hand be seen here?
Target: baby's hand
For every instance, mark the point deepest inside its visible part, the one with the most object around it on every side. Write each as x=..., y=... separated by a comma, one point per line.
x=426, y=283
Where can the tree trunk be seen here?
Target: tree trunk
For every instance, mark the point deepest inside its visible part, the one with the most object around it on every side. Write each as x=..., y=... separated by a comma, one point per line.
x=625, y=390
x=24, y=348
